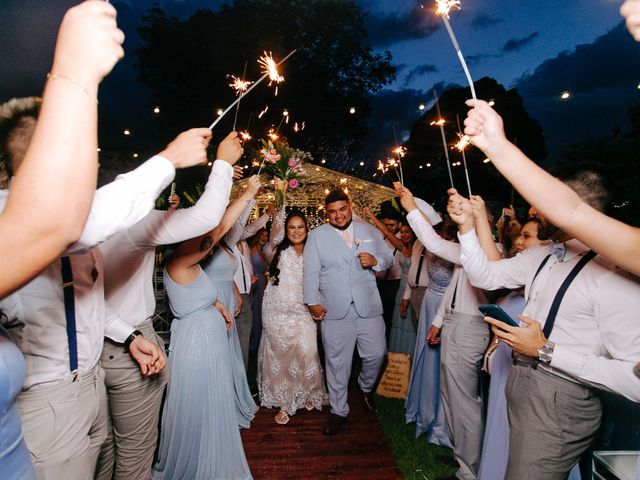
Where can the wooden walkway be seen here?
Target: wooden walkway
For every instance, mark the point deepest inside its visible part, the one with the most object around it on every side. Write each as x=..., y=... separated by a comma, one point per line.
x=300, y=451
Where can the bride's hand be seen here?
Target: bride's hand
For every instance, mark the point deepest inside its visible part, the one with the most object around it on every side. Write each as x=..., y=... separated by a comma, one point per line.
x=228, y=318
x=317, y=312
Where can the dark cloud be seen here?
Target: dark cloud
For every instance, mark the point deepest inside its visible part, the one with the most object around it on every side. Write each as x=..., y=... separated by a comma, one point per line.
x=474, y=59
x=602, y=77
x=419, y=71
x=385, y=30
x=516, y=44
x=485, y=21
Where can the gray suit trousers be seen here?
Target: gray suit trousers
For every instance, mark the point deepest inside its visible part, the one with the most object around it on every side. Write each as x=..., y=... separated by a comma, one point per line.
x=552, y=423
x=464, y=341
x=134, y=403
x=339, y=338
x=65, y=426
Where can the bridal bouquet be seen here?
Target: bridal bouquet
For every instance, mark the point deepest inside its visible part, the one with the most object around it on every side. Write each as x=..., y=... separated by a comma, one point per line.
x=283, y=164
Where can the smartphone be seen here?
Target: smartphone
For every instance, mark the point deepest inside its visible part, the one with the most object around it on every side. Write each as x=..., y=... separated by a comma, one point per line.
x=495, y=311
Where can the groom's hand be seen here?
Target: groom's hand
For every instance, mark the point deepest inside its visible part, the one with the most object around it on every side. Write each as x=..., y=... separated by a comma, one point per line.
x=317, y=311
x=367, y=260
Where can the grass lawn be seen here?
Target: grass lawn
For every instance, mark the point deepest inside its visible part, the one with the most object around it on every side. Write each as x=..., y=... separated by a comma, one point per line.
x=417, y=459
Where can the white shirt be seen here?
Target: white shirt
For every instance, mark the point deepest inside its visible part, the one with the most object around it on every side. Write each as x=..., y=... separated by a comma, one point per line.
x=417, y=253
x=129, y=257
x=467, y=298
x=596, y=332
x=395, y=272
x=243, y=259
x=36, y=314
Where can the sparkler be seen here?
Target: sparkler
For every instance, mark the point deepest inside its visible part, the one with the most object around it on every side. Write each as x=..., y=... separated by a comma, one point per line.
x=443, y=9
x=255, y=84
x=270, y=68
x=240, y=86
x=400, y=152
x=245, y=136
x=460, y=146
x=440, y=123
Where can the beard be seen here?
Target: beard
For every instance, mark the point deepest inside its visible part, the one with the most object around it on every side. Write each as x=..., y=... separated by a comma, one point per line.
x=346, y=225
x=546, y=230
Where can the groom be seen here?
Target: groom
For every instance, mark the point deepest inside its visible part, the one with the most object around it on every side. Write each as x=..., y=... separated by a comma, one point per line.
x=340, y=261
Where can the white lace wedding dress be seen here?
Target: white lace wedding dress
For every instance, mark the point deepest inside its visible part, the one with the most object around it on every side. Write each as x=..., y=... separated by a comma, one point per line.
x=289, y=372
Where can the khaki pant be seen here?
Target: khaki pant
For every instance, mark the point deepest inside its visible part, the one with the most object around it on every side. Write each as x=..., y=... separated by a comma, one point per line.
x=65, y=426
x=134, y=404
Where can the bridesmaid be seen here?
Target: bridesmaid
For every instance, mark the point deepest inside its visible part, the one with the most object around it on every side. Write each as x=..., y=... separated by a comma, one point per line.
x=199, y=436
x=402, y=337
x=260, y=264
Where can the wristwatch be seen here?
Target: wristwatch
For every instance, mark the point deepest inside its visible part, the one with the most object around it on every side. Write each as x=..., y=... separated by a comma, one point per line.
x=545, y=353
x=131, y=338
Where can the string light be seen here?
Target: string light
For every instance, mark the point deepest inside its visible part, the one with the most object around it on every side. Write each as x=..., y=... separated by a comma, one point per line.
x=492, y=103
x=220, y=112
x=126, y=131
x=486, y=160
x=421, y=107
x=352, y=110
x=156, y=110
x=565, y=95
x=135, y=155
x=285, y=112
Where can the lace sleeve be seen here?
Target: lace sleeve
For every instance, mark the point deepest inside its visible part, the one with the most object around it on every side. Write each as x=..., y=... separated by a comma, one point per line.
x=277, y=233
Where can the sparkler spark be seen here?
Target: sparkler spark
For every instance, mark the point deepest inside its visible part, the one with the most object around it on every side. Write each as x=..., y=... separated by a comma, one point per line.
x=239, y=86
x=270, y=68
x=266, y=109
x=273, y=135
x=463, y=143
x=443, y=7
x=296, y=128
x=245, y=136
x=400, y=151
x=382, y=167
x=438, y=123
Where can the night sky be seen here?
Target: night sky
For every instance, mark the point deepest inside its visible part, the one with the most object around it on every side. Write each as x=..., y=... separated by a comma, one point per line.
x=542, y=47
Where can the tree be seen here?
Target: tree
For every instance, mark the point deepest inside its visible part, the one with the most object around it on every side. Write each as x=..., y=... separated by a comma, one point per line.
x=425, y=145
x=185, y=63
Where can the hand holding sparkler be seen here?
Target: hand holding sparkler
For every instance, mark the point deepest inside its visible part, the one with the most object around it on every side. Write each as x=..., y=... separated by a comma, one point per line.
x=189, y=148
x=406, y=197
x=253, y=186
x=485, y=128
x=230, y=149
x=460, y=210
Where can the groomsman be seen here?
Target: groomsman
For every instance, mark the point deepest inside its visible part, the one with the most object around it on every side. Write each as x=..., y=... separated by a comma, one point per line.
x=579, y=334
x=340, y=261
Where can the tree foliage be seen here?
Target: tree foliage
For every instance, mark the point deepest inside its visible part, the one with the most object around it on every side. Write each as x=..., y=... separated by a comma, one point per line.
x=185, y=64
x=425, y=145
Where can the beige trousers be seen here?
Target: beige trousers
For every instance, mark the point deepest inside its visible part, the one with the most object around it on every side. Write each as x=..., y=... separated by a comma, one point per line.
x=65, y=426
x=134, y=404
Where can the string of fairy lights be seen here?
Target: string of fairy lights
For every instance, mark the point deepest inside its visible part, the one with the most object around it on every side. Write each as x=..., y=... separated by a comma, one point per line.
x=394, y=158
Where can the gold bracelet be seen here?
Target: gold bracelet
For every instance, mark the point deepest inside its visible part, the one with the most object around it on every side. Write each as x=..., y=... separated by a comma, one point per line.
x=56, y=76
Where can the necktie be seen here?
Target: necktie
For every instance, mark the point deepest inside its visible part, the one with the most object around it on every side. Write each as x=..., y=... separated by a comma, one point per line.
x=347, y=238
x=559, y=250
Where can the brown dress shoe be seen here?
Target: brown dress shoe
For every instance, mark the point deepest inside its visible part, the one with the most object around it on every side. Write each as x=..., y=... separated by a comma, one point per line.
x=368, y=401
x=334, y=424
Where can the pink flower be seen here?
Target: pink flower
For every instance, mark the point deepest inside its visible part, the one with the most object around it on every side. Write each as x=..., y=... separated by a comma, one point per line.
x=271, y=156
x=293, y=183
x=293, y=162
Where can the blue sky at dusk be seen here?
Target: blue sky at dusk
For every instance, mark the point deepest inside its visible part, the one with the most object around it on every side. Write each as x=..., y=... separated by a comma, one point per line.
x=542, y=47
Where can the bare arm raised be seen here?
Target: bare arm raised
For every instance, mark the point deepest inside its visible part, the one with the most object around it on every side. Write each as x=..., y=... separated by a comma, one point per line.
x=615, y=240
x=50, y=199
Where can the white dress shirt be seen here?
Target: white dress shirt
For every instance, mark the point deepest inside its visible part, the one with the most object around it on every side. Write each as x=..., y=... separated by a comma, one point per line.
x=129, y=257
x=244, y=267
x=395, y=272
x=596, y=332
x=36, y=314
x=467, y=298
x=417, y=253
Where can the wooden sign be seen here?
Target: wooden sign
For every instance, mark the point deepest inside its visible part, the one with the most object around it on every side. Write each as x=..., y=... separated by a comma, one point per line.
x=395, y=379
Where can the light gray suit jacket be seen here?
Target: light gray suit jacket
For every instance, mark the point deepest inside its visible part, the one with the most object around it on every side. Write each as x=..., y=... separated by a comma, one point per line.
x=333, y=276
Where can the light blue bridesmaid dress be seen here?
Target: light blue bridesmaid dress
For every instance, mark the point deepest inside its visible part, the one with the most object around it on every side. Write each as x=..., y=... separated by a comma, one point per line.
x=15, y=461
x=220, y=268
x=199, y=437
x=402, y=337
x=423, y=404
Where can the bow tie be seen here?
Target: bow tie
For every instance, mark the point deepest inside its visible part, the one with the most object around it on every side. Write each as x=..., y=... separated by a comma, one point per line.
x=559, y=250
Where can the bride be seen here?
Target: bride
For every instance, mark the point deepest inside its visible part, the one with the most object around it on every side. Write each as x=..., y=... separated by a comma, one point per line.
x=289, y=372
